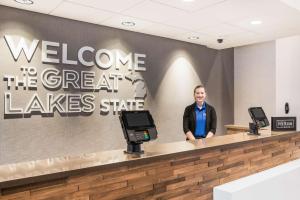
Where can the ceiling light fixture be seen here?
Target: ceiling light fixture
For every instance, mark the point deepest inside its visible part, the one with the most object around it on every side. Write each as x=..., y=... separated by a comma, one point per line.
x=127, y=23
x=193, y=38
x=26, y=2
x=256, y=22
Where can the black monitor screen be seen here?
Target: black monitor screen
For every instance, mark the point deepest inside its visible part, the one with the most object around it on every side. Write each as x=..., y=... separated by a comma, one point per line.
x=258, y=116
x=138, y=119
x=258, y=113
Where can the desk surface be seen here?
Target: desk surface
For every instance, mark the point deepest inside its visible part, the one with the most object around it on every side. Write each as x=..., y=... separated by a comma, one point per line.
x=234, y=126
x=70, y=164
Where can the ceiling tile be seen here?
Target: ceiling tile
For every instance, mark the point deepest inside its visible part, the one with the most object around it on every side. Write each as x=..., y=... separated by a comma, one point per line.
x=202, y=39
x=38, y=6
x=189, y=6
x=272, y=13
x=221, y=30
x=268, y=23
x=279, y=33
x=235, y=9
x=109, y=5
x=192, y=22
x=116, y=22
x=81, y=13
x=292, y=3
x=163, y=30
x=152, y=11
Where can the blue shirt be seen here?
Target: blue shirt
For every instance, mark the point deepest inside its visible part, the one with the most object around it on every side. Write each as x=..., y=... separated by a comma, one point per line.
x=200, y=121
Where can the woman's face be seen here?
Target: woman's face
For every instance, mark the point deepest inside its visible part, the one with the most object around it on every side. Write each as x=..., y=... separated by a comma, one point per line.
x=200, y=95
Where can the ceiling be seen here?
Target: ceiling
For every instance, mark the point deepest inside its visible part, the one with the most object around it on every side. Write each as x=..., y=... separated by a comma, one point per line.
x=207, y=20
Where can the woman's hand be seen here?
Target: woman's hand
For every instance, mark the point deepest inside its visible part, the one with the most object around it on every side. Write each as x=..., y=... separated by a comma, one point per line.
x=190, y=136
x=209, y=135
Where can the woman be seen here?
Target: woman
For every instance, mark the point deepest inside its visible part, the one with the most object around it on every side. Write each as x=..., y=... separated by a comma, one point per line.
x=199, y=118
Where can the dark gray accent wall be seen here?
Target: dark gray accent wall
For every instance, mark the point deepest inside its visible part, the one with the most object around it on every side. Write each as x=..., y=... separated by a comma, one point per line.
x=173, y=70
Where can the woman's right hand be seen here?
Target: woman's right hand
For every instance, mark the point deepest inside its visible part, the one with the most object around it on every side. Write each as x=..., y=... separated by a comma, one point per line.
x=190, y=136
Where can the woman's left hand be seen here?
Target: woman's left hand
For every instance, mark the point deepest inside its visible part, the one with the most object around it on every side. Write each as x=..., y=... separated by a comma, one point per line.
x=209, y=135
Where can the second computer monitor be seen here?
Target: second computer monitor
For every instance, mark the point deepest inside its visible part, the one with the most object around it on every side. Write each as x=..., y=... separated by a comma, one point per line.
x=258, y=116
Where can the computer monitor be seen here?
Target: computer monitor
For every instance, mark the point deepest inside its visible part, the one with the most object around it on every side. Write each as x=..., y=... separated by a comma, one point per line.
x=137, y=119
x=138, y=127
x=259, y=119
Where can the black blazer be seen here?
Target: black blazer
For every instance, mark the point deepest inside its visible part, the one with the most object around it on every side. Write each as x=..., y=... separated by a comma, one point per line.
x=189, y=119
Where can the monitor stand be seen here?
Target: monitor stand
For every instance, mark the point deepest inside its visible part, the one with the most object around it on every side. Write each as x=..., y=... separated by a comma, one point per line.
x=253, y=129
x=134, y=148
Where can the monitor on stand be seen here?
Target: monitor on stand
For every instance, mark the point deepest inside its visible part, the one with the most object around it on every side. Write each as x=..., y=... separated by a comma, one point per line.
x=259, y=119
x=138, y=127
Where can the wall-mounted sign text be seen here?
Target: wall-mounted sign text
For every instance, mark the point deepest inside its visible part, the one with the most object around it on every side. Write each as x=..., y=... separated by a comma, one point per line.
x=73, y=89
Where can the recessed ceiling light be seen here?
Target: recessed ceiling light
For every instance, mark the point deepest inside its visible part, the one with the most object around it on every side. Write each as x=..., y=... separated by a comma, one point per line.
x=193, y=38
x=27, y=2
x=128, y=23
x=255, y=22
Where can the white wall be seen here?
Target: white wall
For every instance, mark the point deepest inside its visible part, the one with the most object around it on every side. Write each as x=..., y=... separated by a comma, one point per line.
x=267, y=75
x=254, y=80
x=287, y=76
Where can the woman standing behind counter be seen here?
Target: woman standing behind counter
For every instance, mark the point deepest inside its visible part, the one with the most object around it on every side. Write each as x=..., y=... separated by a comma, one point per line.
x=199, y=118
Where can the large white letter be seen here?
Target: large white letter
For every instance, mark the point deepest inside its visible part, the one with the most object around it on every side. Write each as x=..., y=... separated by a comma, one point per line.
x=116, y=77
x=70, y=77
x=56, y=103
x=87, y=80
x=8, y=110
x=104, y=106
x=65, y=56
x=137, y=62
x=46, y=52
x=35, y=105
x=16, y=51
x=80, y=56
x=123, y=60
x=87, y=101
x=109, y=56
x=50, y=78
x=73, y=103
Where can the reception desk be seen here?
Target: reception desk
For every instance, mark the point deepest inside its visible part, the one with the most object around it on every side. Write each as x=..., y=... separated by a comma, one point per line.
x=183, y=170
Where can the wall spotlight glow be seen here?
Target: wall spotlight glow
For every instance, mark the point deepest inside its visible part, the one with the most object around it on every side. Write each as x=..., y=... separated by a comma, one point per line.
x=127, y=23
x=256, y=22
x=26, y=2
